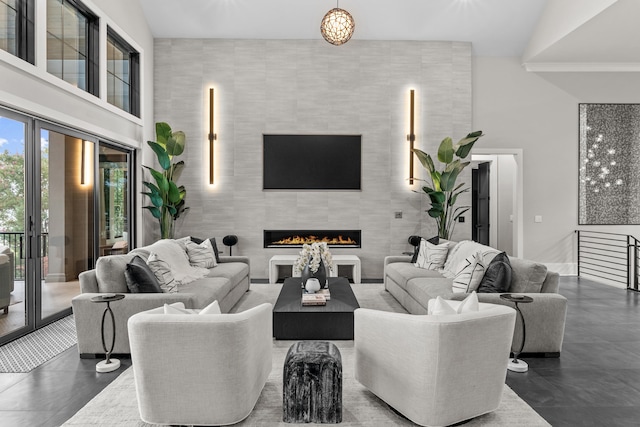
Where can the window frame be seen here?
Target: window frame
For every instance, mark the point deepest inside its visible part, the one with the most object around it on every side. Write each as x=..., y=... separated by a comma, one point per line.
x=134, y=70
x=92, y=34
x=25, y=31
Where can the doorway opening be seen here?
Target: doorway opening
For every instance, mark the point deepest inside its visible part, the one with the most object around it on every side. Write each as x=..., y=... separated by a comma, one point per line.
x=480, y=199
x=498, y=200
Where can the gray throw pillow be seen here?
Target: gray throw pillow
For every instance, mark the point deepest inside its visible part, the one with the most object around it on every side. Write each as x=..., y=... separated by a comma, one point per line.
x=201, y=255
x=140, y=279
x=527, y=277
x=213, y=244
x=497, y=276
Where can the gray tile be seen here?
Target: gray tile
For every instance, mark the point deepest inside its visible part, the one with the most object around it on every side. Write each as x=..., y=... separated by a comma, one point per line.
x=306, y=86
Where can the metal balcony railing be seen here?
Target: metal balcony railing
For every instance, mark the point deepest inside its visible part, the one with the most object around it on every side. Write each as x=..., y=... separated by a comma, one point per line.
x=609, y=256
x=16, y=241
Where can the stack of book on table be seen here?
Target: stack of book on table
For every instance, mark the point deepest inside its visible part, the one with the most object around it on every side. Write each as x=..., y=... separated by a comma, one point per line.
x=325, y=292
x=313, y=299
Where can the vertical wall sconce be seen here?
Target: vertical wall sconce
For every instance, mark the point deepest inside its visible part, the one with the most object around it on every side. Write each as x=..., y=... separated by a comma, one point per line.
x=212, y=135
x=83, y=166
x=86, y=162
x=411, y=137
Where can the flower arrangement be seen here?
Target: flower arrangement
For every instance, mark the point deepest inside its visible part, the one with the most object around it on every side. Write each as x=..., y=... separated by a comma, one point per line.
x=312, y=254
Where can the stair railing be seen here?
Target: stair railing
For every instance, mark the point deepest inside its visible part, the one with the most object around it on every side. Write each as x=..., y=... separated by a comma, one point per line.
x=609, y=256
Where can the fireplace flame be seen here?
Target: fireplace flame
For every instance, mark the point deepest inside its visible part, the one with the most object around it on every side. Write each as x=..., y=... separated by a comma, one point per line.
x=299, y=240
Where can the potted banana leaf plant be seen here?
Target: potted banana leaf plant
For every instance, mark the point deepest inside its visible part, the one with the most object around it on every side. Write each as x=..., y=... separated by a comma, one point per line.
x=443, y=191
x=167, y=198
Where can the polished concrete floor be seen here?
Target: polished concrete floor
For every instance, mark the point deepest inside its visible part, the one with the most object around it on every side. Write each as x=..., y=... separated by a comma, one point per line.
x=595, y=382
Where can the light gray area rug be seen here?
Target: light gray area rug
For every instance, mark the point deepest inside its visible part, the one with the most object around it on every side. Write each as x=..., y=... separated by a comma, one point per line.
x=32, y=350
x=117, y=406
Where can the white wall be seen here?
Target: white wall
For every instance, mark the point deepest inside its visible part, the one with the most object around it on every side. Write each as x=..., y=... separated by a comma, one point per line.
x=518, y=109
x=506, y=202
x=539, y=114
x=30, y=89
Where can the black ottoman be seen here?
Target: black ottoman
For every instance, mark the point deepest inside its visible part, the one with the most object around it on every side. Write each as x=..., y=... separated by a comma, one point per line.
x=312, y=383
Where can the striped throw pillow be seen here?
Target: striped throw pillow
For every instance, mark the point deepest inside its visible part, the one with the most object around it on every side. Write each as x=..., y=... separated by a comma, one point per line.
x=201, y=255
x=430, y=256
x=469, y=274
x=162, y=271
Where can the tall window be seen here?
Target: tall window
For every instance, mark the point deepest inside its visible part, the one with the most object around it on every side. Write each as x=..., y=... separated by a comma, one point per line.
x=16, y=28
x=72, y=44
x=123, y=74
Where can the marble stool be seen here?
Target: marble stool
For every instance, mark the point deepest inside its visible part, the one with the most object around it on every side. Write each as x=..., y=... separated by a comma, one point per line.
x=312, y=383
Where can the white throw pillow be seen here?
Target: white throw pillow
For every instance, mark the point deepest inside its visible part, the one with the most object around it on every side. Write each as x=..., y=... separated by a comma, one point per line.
x=183, y=241
x=162, y=270
x=213, y=308
x=175, y=255
x=440, y=307
x=178, y=308
x=201, y=255
x=175, y=308
x=469, y=274
x=463, y=250
x=430, y=256
x=470, y=303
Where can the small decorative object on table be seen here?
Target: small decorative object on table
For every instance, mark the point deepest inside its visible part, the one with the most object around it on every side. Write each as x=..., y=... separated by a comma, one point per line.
x=312, y=285
x=108, y=364
x=515, y=364
x=313, y=261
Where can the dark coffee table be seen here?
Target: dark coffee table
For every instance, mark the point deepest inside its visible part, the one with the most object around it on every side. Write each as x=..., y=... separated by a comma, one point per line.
x=334, y=321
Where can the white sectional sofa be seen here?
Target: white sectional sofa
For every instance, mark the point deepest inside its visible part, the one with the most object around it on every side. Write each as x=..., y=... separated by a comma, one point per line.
x=226, y=283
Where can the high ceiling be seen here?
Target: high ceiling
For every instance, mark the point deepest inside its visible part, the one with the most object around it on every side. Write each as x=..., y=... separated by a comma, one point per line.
x=495, y=27
x=548, y=35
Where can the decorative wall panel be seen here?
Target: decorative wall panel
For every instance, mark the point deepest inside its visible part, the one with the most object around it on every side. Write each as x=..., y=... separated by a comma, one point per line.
x=609, y=164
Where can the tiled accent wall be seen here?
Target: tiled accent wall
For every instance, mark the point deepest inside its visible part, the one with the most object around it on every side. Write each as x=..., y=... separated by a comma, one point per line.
x=310, y=87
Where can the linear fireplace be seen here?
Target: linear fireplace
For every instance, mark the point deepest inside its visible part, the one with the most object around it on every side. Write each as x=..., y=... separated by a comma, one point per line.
x=296, y=238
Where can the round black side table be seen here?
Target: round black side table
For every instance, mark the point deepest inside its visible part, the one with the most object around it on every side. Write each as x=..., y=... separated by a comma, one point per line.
x=108, y=364
x=515, y=364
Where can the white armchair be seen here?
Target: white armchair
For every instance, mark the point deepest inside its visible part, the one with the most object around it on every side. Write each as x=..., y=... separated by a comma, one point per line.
x=200, y=369
x=435, y=370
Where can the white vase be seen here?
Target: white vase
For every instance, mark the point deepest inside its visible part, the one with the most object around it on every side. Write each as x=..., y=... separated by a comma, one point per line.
x=313, y=285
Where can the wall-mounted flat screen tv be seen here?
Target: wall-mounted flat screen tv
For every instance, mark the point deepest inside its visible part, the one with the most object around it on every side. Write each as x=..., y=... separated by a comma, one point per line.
x=312, y=162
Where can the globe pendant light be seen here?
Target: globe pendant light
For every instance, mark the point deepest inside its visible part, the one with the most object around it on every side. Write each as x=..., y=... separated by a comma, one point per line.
x=337, y=26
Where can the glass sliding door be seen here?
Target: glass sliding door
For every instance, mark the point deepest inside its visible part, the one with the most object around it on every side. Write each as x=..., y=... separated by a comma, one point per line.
x=15, y=294
x=66, y=227
x=65, y=200
x=114, y=199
